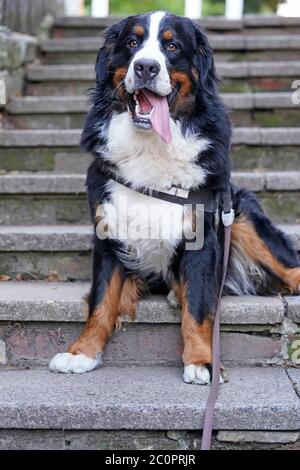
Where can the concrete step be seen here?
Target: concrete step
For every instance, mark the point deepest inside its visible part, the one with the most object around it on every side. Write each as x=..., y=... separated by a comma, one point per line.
x=39, y=319
x=57, y=150
x=232, y=47
x=71, y=137
x=65, y=27
x=239, y=77
x=43, y=199
x=36, y=252
x=65, y=112
x=49, y=112
x=92, y=411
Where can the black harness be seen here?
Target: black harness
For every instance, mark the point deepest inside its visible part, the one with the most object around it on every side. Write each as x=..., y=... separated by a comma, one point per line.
x=212, y=201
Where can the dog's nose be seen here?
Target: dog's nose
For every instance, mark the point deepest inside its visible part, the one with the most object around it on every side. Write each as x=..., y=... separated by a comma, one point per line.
x=146, y=69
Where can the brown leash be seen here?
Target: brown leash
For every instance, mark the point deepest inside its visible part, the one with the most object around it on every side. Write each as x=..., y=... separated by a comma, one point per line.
x=227, y=218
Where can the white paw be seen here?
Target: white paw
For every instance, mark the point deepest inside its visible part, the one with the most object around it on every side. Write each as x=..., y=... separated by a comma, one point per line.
x=67, y=363
x=199, y=375
x=172, y=299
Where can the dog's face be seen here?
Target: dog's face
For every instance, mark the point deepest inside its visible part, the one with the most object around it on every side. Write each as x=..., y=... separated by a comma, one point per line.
x=154, y=65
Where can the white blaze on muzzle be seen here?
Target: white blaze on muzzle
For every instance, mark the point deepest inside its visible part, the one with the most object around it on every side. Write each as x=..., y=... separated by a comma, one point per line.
x=156, y=99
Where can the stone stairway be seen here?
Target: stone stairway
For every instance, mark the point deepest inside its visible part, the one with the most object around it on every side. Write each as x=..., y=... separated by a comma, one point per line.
x=138, y=399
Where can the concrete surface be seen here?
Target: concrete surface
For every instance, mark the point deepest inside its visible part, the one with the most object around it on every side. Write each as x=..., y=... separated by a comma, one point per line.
x=144, y=398
x=62, y=302
x=71, y=237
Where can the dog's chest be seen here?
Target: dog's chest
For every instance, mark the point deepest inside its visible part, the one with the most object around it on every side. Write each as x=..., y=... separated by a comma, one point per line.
x=150, y=229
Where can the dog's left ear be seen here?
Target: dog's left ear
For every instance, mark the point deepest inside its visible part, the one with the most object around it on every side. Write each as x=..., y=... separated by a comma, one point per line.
x=204, y=61
x=104, y=54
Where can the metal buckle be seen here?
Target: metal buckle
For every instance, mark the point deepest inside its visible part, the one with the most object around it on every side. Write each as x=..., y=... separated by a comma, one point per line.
x=177, y=192
x=228, y=218
x=183, y=193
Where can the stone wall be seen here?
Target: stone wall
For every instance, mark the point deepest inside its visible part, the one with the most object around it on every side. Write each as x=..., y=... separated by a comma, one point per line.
x=25, y=439
x=25, y=16
x=16, y=50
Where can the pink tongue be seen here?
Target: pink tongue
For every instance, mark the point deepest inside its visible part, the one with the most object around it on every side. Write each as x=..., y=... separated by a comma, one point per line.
x=160, y=117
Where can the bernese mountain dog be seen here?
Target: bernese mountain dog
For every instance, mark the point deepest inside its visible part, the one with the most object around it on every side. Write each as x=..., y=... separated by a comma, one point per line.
x=157, y=122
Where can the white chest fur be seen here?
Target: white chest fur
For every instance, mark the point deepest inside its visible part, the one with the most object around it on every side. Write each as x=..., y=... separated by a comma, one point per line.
x=150, y=229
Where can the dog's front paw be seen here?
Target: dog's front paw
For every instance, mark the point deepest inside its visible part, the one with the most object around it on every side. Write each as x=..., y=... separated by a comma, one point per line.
x=67, y=363
x=199, y=375
x=172, y=299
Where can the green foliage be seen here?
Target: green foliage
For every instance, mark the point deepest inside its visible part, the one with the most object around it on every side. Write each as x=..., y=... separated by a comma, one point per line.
x=258, y=6
x=213, y=7
x=128, y=7
x=210, y=7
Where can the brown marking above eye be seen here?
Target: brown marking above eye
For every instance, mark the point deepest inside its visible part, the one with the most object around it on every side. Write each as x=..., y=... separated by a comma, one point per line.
x=139, y=30
x=184, y=81
x=168, y=35
x=118, y=76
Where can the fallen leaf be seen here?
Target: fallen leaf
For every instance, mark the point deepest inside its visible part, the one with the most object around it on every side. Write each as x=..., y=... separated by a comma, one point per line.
x=53, y=276
x=4, y=278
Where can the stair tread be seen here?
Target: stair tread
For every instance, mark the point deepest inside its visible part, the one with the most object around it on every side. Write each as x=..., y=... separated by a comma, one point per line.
x=255, y=398
x=217, y=41
x=209, y=22
x=70, y=183
x=278, y=136
x=62, y=302
x=79, y=104
x=50, y=104
x=72, y=238
x=37, y=72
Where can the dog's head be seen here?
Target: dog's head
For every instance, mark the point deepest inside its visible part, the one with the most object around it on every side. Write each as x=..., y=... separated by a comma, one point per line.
x=155, y=65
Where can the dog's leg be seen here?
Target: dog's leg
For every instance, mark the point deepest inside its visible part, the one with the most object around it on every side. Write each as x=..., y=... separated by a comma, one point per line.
x=196, y=287
x=111, y=295
x=197, y=354
x=267, y=247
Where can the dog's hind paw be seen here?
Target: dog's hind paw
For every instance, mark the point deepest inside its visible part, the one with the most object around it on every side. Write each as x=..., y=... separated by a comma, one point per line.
x=199, y=375
x=66, y=363
x=292, y=280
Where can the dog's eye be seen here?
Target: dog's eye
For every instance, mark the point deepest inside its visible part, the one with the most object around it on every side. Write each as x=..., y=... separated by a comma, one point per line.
x=171, y=47
x=133, y=43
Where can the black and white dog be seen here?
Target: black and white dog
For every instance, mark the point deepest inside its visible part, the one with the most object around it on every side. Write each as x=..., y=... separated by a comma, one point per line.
x=157, y=122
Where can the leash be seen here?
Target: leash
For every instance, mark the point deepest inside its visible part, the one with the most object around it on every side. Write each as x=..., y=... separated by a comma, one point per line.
x=227, y=219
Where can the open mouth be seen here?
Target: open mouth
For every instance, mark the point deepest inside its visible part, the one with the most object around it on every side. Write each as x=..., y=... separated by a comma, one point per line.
x=141, y=109
x=150, y=111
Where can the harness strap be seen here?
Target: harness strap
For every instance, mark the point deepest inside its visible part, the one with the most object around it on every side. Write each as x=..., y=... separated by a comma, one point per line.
x=175, y=195
x=181, y=196
x=215, y=385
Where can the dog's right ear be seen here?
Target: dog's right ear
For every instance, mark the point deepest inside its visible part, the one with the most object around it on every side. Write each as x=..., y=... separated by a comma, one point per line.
x=104, y=54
